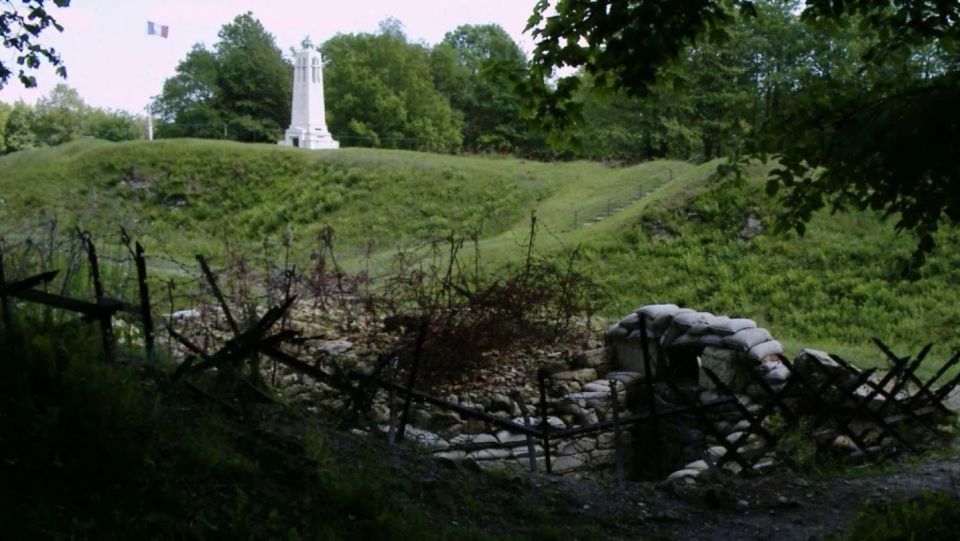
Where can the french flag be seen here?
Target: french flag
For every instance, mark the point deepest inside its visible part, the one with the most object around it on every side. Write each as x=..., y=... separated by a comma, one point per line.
x=154, y=29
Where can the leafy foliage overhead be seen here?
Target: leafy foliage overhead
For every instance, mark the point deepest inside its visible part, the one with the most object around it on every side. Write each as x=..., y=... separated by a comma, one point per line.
x=865, y=113
x=20, y=29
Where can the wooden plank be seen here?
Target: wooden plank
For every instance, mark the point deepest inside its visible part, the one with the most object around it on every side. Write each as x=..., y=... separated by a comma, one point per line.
x=28, y=283
x=5, y=311
x=525, y=413
x=412, y=376
x=544, y=425
x=89, y=309
x=212, y=280
x=106, y=325
x=146, y=314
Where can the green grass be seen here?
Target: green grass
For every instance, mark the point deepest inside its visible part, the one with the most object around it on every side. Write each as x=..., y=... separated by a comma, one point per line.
x=833, y=289
x=933, y=516
x=92, y=450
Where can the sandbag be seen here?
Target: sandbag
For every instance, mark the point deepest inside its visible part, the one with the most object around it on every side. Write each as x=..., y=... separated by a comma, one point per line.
x=747, y=338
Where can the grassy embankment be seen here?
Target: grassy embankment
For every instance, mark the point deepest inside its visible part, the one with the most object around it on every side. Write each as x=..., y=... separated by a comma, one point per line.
x=833, y=289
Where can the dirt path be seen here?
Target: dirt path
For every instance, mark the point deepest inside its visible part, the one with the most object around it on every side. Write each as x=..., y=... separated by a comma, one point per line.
x=781, y=506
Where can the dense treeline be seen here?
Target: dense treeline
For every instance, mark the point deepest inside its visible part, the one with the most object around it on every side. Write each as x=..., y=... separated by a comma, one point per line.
x=60, y=117
x=720, y=96
x=466, y=93
x=240, y=89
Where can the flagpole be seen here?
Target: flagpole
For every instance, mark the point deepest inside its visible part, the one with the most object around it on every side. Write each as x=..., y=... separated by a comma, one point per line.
x=149, y=123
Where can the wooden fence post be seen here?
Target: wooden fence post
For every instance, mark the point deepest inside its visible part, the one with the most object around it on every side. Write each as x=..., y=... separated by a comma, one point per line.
x=392, y=426
x=4, y=303
x=544, y=425
x=531, y=448
x=651, y=392
x=145, y=308
x=412, y=379
x=104, y=316
x=617, y=433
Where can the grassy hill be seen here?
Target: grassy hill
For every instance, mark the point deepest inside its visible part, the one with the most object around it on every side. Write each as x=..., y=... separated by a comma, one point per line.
x=656, y=232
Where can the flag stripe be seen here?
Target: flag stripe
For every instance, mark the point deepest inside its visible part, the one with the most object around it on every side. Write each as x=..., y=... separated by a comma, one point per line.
x=154, y=29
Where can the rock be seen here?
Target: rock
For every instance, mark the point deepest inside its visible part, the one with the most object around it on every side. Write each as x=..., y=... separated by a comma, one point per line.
x=816, y=364
x=752, y=226
x=723, y=364
x=581, y=414
x=682, y=474
x=506, y=437
x=523, y=451
x=590, y=399
x=490, y=454
x=581, y=461
x=628, y=353
x=473, y=405
x=581, y=376
x=425, y=439
x=737, y=438
x=332, y=347
x=474, y=441
x=765, y=465
x=445, y=417
x=184, y=315
x=555, y=422
x=742, y=426
x=598, y=386
x=699, y=465
x=594, y=358
x=579, y=445
x=499, y=402
x=716, y=452
x=608, y=440
x=494, y=465
x=844, y=444
x=708, y=396
x=452, y=456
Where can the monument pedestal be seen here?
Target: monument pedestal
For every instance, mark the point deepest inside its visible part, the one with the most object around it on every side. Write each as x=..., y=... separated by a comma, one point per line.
x=300, y=137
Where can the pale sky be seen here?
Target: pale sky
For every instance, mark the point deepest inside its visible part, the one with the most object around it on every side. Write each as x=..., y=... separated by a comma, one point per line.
x=113, y=63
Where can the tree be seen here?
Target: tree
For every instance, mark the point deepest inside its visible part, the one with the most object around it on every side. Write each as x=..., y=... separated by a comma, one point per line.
x=4, y=115
x=187, y=105
x=883, y=135
x=19, y=130
x=474, y=68
x=59, y=117
x=254, y=81
x=242, y=87
x=20, y=29
x=113, y=125
x=380, y=92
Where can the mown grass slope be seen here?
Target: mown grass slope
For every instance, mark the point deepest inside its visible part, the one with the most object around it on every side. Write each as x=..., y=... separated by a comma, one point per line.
x=832, y=289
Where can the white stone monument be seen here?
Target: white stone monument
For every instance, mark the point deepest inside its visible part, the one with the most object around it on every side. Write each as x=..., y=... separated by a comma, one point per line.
x=308, y=125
